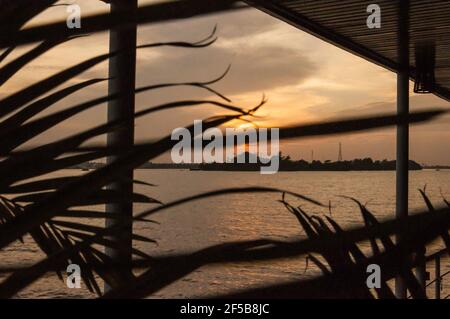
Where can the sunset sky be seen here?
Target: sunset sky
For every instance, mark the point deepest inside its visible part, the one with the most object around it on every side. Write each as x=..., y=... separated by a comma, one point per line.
x=304, y=79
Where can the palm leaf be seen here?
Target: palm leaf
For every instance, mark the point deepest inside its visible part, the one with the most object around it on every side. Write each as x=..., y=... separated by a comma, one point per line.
x=152, y=13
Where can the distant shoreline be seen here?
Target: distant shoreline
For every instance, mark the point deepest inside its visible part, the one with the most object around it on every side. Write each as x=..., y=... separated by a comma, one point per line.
x=436, y=167
x=286, y=164
x=254, y=170
x=357, y=165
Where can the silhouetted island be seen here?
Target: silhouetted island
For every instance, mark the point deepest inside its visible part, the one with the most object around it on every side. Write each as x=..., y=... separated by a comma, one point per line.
x=287, y=164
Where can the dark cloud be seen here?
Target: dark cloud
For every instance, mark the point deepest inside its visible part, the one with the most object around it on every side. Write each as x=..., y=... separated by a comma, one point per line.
x=253, y=68
x=257, y=65
x=232, y=25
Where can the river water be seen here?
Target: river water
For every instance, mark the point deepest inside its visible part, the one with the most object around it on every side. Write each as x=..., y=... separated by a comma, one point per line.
x=243, y=217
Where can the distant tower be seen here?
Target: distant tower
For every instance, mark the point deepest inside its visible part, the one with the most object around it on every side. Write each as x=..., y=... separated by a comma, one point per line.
x=340, y=153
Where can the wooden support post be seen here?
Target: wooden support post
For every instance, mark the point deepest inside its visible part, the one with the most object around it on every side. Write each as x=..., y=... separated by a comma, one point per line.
x=122, y=70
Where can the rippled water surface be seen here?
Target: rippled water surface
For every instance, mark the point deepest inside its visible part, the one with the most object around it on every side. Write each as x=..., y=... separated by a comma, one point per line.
x=245, y=216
